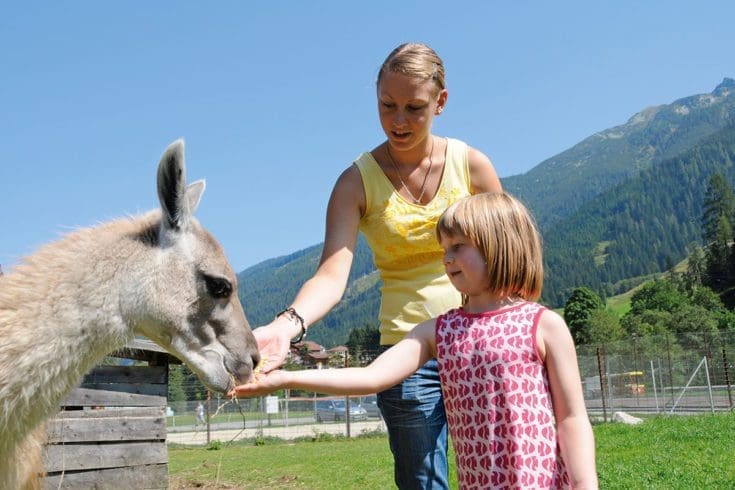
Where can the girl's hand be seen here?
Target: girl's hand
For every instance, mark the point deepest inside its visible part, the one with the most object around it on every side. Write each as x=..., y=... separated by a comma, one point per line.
x=263, y=384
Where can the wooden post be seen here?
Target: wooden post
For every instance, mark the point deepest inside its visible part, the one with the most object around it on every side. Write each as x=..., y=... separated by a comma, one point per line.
x=727, y=376
x=347, y=403
x=635, y=368
x=671, y=370
x=603, y=383
x=209, y=410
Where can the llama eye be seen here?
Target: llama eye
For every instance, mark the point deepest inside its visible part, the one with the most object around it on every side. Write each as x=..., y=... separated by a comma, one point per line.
x=218, y=287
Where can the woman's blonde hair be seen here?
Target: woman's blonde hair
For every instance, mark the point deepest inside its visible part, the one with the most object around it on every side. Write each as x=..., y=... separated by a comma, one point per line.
x=415, y=60
x=504, y=231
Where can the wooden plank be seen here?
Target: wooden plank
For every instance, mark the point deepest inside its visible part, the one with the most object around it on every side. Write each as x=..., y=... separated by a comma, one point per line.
x=70, y=457
x=112, y=412
x=148, y=477
x=126, y=374
x=154, y=389
x=68, y=429
x=115, y=395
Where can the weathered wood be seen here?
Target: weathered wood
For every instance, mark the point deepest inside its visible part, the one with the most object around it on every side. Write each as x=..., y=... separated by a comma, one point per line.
x=126, y=374
x=116, y=396
x=148, y=477
x=82, y=426
x=121, y=442
x=70, y=457
x=112, y=412
x=154, y=389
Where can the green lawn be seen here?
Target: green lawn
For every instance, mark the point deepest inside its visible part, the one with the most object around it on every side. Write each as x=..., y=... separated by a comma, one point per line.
x=326, y=464
x=679, y=452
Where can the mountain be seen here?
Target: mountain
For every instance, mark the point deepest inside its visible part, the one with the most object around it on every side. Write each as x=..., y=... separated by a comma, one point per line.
x=621, y=203
x=640, y=227
x=269, y=287
x=558, y=186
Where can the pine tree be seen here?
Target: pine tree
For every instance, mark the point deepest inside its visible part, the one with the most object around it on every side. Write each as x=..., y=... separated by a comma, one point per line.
x=694, y=275
x=718, y=218
x=577, y=311
x=364, y=342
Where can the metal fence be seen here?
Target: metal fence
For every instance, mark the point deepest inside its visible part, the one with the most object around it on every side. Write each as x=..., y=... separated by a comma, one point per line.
x=674, y=373
x=671, y=374
x=289, y=417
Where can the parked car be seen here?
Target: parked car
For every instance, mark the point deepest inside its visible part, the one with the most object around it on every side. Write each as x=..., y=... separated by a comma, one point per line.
x=335, y=410
x=370, y=404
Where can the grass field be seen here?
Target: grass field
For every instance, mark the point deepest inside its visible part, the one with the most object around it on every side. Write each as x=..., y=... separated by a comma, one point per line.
x=681, y=452
x=620, y=304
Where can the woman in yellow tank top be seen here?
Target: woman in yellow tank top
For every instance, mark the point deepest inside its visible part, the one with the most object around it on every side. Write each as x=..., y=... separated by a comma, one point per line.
x=394, y=194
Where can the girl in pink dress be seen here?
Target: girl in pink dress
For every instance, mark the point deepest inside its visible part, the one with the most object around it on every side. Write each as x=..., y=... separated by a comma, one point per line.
x=508, y=367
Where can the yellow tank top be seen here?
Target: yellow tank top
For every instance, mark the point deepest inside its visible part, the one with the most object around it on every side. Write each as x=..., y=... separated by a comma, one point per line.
x=403, y=240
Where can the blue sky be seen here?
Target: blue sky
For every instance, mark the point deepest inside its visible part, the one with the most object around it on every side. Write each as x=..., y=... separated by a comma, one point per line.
x=275, y=99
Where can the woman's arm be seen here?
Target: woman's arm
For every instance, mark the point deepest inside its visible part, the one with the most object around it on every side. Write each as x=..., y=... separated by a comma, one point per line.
x=390, y=368
x=325, y=288
x=483, y=177
x=575, y=432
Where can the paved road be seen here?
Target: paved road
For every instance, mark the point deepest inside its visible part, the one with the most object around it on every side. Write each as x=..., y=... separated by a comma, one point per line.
x=227, y=433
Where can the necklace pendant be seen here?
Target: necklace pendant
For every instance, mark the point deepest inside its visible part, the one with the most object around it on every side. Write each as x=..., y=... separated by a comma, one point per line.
x=426, y=175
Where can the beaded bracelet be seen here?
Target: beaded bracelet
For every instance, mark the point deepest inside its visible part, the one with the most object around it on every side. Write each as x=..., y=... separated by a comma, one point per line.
x=292, y=313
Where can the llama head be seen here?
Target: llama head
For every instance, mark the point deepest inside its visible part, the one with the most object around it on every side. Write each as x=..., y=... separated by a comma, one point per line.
x=188, y=301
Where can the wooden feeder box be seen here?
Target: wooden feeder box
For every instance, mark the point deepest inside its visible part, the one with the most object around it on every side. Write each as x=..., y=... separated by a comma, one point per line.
x=111, y=430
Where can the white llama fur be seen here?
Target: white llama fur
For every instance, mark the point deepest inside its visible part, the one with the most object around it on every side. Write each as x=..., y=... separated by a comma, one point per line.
x=64, y=308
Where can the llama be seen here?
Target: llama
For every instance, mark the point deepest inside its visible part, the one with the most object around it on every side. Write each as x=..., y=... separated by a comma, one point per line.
x=161, y=275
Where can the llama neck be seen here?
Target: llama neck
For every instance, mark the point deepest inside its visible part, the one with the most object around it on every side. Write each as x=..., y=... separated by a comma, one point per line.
x=60, y=313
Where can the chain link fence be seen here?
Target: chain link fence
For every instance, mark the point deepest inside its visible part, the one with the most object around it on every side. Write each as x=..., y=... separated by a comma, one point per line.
x=671, y=374
x=308, y=416
x=675, y=373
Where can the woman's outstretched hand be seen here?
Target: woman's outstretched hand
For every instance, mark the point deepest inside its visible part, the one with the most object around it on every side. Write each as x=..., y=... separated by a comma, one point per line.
x=273, y=344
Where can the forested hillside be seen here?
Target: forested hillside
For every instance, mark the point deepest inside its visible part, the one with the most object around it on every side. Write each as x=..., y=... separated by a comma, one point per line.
x=557, y=187
x=269, y=287
x=642, y=226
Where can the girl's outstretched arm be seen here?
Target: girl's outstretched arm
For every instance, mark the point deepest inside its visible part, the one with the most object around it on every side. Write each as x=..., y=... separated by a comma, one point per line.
x=573, y=425
x=390, y=368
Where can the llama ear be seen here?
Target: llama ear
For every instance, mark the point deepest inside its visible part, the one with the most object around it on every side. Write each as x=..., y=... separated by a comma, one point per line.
x=194, y=193
x=172, y=187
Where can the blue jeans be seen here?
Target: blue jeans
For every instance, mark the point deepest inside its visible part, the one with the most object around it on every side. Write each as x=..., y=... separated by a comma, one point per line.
x=417, y=428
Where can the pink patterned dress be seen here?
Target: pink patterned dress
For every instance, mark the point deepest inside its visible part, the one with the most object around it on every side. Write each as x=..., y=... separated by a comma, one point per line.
x=496, y=395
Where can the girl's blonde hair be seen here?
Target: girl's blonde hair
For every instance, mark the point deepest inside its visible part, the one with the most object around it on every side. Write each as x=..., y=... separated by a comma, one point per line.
x=415, y=60
x=504, y=231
